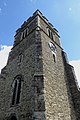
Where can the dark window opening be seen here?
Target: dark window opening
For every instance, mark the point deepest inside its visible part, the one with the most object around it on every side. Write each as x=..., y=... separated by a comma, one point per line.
x=13, y=118
x=38, y=90
x=50, y=34
x=16, y=90
x=27, y=30
x=24, y=33
x=54, y=57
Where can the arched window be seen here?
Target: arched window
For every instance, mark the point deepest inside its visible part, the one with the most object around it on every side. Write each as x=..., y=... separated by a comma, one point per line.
x=50, y=34
x=54, y=57
x=16, y=89
x=20, y=59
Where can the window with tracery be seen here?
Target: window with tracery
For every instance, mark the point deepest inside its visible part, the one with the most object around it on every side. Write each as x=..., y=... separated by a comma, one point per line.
x=16, y=86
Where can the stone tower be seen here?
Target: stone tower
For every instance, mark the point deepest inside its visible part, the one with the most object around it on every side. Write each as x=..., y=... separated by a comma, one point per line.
x=38, y=83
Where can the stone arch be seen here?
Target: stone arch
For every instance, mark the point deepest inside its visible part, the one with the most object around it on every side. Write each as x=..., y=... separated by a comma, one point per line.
x=16, y=89
x=13, y=117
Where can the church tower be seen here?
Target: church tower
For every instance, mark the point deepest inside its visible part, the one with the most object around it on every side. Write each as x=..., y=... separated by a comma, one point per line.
x=36, y=82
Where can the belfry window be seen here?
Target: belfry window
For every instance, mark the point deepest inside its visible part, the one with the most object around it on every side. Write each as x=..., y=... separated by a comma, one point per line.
x=50, y=34
x=24, y=33
x=16, y=90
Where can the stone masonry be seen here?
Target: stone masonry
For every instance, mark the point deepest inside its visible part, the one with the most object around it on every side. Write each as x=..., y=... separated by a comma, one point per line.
x=38, y=83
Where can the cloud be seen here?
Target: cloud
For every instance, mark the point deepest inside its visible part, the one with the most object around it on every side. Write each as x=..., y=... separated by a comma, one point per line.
x=4, y=52
x=76, y=65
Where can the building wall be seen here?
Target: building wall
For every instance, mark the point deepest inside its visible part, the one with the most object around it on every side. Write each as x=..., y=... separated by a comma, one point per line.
x=45, y=89
x=57, y=98
x=27, y=69
x=73, y=87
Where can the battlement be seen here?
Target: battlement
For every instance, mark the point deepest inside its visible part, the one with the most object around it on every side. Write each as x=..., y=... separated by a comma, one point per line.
x=37, y=20
x=36, y=13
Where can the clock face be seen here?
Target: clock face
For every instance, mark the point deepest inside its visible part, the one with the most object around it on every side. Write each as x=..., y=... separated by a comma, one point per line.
x=52, y=46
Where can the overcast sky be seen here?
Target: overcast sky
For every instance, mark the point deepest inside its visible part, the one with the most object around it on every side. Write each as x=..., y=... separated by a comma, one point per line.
x=63, y=14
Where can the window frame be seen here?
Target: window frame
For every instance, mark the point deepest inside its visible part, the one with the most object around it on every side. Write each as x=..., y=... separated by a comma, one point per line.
x=24, y=33
x=16, y=90
x=51, y=35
